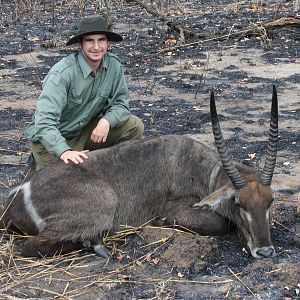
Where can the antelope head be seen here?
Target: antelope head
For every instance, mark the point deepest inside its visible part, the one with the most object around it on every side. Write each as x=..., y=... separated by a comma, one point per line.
x=246, y=198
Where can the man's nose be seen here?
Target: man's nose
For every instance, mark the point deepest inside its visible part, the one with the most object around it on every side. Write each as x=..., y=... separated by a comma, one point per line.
x=96, y=45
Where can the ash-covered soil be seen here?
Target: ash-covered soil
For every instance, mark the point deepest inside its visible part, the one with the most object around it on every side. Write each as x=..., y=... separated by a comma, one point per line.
x=169, y=88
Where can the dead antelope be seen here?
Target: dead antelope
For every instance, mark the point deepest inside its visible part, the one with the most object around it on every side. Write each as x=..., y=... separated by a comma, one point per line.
x=66, y=206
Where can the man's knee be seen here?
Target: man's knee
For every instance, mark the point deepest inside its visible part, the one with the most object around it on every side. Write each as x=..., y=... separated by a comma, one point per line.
x=42, y=158
x=132, y=129
x=136, y=127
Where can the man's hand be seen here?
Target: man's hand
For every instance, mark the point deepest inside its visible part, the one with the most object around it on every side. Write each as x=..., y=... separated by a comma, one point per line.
x=99, y=134
x=77, y=157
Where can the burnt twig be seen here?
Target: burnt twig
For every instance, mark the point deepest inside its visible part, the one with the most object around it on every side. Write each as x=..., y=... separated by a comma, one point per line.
x=235, y=275
x=170, y=23
x=255, y=30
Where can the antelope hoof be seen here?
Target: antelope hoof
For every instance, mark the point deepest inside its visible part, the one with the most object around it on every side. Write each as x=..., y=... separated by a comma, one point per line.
x=101, y=250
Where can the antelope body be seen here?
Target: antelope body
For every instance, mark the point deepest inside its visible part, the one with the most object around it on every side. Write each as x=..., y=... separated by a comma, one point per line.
x=66, y=206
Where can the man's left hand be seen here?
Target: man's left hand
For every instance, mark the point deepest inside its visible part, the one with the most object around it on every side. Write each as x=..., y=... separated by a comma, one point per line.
x=100, y=133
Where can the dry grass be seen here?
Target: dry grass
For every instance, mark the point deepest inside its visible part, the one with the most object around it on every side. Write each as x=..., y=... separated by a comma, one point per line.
x=69, y=276
x=35, y=9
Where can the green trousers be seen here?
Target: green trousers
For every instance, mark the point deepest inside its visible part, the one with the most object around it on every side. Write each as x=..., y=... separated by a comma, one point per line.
x=132, y=129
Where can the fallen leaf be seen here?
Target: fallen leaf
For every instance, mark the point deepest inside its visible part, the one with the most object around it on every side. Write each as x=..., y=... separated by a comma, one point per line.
x=148, y=257
x=170, y=42
x=120, y=257
x=252, y=156
x=125, y=277
x=156, y=260
x=179, y=274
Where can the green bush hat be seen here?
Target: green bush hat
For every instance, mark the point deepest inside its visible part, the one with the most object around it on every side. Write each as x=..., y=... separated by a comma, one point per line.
x=93, y=25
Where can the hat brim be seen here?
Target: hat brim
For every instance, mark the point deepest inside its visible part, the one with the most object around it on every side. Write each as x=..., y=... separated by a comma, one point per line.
x=111, y=36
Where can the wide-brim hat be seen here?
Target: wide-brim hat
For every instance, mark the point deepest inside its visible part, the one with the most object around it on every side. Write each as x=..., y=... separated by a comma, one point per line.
x=93, y=25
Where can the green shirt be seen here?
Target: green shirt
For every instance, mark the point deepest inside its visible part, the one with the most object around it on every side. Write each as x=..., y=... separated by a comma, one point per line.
x=73, y=95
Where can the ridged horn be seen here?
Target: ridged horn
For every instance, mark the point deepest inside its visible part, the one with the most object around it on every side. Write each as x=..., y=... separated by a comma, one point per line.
x=230, y=169
x=268, y=170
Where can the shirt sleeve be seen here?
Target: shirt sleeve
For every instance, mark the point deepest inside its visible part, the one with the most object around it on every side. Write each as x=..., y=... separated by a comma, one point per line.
x=50, y=104
x=118, y=111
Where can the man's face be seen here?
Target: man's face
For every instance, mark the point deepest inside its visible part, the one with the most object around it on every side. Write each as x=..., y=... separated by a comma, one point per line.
x=94, y=46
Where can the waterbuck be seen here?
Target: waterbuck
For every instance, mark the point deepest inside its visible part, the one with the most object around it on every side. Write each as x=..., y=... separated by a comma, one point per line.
x=66, y=206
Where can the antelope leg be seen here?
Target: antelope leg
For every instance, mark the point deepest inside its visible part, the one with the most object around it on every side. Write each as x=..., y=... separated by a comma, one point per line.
x=36, y=247
x=98, y=246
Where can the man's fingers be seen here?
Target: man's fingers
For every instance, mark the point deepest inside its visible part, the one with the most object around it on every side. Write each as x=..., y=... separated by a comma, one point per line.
x=77, y=157
x=83, y=154
x=72, y=159
x=95, y=139
x=100, y=132
x=98, y=140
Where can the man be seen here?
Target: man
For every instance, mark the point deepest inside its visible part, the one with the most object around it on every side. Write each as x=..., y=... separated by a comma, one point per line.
x=84, y=103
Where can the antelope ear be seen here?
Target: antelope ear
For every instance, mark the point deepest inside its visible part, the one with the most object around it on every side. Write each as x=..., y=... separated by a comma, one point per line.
x=217, y=198
x=286, y=183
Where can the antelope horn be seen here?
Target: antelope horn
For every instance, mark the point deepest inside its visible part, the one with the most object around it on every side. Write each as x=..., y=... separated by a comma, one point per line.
x=268, y=170
x=227, y=163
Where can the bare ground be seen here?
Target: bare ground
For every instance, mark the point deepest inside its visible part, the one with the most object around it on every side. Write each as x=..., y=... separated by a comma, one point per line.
x=170, y=93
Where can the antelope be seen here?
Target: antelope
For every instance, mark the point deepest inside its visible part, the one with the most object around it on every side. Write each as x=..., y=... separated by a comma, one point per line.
x=67, y=207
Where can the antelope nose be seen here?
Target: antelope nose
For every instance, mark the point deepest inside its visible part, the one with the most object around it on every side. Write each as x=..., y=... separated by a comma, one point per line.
x=266, y=252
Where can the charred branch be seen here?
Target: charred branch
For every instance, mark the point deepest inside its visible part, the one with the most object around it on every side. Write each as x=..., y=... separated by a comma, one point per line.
x=174, y=26
x=258, y=29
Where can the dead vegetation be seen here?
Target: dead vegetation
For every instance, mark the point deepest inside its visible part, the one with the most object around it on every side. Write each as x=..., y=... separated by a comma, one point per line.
x=145, y=263
x=70, y=276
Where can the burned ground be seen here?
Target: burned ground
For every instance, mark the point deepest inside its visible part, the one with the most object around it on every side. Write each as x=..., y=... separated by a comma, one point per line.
x=169, y=88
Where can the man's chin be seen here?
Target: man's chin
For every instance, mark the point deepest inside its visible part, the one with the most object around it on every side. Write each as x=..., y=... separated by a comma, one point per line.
x=96, y=59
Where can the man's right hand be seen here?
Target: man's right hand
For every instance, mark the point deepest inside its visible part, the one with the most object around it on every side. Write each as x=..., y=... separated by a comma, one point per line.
x=77, y=157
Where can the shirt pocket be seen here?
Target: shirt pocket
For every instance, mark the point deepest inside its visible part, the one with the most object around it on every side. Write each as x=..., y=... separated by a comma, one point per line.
x=72, y=109
x=74, y=100
x=103, y=99
x=104, y=93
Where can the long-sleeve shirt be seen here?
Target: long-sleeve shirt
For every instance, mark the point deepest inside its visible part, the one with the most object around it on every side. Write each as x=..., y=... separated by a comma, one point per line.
x=73, y=95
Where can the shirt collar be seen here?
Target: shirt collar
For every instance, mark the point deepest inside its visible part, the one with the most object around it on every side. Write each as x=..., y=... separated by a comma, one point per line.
x=105, y=61
x=85, y=68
